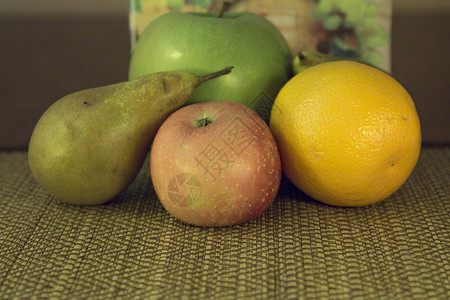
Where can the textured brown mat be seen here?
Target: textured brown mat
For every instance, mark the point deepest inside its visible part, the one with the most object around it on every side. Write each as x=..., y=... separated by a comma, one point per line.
x=132, y=248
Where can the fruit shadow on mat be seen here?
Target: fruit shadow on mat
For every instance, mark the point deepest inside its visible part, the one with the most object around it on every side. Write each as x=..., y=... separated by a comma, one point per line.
x=289, y=191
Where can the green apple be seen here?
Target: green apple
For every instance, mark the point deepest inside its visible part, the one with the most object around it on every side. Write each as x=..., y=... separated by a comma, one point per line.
x=205, y=42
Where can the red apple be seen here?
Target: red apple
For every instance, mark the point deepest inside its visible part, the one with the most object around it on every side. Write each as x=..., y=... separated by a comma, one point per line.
x=215, y=164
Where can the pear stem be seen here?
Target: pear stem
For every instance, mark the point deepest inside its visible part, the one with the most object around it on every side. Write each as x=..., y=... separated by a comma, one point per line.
x=225, y=6
x=216, y=74
x=301, y=56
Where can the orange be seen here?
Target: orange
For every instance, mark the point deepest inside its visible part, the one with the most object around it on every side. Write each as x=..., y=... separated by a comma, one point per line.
x=348, y=133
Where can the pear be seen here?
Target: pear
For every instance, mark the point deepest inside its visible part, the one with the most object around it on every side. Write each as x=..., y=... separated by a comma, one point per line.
x=307, y=59
x=89, y=146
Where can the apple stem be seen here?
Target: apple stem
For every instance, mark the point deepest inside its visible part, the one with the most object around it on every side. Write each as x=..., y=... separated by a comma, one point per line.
x=216, y=74
x=225, y=6
x=204, y=122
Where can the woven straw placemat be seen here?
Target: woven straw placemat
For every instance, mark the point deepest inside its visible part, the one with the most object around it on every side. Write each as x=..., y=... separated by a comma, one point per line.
x=131, y=248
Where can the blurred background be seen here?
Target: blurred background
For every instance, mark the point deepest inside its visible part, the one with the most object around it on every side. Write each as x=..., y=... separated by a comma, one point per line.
x=50, y=48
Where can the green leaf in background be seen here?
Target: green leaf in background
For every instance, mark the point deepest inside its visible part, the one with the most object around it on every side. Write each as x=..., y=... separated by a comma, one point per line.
x=202, y=3
x=175, y=4
x=359, y=16
x=136, y=5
